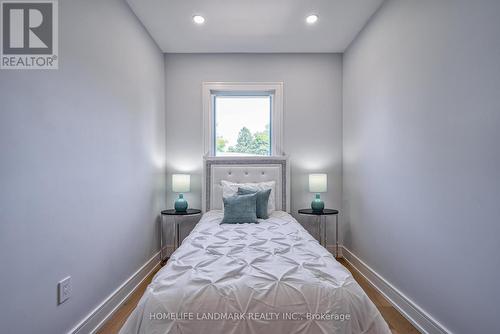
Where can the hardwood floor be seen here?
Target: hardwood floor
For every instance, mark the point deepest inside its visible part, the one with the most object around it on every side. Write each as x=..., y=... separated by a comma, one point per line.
x=118, y=319
x=397, y=323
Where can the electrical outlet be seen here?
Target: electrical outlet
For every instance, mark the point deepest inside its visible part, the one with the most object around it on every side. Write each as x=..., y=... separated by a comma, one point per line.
x=64, y=289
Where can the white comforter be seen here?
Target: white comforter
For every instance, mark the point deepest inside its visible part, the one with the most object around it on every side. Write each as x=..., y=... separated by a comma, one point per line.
x=271, y=277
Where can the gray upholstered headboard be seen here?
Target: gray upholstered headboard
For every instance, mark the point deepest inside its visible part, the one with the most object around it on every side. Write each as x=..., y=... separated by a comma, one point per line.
x=243, y=170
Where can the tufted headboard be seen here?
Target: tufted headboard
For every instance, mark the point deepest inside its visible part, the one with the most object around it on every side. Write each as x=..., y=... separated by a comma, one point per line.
x=243, y=170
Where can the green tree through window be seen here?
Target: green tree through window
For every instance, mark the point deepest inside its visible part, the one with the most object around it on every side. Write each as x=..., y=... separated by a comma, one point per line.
x=257, y=143
x=221, y=144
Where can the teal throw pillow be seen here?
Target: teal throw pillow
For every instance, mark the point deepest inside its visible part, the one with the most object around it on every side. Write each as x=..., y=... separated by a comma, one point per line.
x=262, y=200
x=240, y=209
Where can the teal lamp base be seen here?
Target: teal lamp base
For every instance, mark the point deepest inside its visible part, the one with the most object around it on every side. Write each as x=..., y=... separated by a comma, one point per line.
x=317, y=204
x=180, y=204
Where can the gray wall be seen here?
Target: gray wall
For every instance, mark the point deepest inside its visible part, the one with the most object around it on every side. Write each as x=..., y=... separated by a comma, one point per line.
x=81, y=169
x=312, y=114
x=421, y=155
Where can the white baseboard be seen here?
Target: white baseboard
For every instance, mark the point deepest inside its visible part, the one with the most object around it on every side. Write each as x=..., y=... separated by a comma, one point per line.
x=416, y=315
x=98, y=317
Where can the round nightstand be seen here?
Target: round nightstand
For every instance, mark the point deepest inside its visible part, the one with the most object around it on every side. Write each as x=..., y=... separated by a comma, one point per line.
x=322, y=227
x=188, y=212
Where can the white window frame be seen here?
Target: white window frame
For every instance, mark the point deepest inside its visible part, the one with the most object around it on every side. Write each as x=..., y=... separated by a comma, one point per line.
x=209, y=89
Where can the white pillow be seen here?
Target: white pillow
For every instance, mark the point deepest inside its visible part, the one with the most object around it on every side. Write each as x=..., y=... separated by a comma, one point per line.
x=230, y=189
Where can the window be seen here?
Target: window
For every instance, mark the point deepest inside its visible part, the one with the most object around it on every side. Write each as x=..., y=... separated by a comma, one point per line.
x=242, y=119
x=242, y=125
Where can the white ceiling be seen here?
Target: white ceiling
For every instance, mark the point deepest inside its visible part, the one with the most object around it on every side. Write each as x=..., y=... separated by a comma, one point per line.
x=253, y=25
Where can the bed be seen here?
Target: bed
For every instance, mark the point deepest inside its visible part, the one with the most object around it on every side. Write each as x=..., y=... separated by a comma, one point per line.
x=270, y=277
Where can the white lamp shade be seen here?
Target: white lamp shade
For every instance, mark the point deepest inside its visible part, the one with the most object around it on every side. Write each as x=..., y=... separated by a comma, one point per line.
x=318, y=183
x=181, y=183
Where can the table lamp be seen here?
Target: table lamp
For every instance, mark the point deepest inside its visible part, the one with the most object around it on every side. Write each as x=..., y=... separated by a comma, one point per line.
x=318, y=184
x=181, y=183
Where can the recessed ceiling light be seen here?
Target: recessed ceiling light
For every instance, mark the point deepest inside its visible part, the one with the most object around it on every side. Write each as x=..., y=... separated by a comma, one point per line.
x=198, y=19
x=312, y=18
